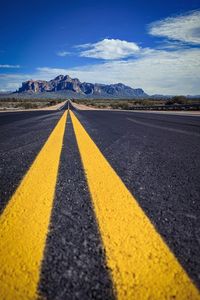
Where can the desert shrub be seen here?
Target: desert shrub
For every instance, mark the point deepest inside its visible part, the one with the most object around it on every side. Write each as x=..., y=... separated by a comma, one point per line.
x=176, y=100
x=29, y=105
x=123, y=105
x=52, y=103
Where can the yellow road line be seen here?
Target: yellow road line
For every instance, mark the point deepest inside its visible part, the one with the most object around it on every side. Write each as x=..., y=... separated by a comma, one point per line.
x=142, y=266
x=24, y=222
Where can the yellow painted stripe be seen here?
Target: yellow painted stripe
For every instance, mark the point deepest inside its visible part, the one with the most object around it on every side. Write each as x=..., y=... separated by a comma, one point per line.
x=24, y=222
x=142, y=266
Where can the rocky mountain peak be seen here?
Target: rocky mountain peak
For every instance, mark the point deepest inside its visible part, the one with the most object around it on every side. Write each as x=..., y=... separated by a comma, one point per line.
x=59, y=77
x=73, y=85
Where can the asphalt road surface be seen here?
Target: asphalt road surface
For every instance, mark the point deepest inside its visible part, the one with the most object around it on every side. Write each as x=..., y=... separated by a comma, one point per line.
x=99, y=205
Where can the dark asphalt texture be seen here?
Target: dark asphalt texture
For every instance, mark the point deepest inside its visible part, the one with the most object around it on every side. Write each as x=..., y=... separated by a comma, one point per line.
x=22, y=135
x=157, y=157
x=74, y=265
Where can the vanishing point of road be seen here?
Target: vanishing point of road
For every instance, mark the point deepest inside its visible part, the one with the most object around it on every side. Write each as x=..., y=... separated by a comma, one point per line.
x=99, y=205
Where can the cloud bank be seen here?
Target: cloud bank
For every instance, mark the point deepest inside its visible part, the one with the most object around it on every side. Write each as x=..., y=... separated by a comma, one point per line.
x=184, y=28
x=159, y=71
x=173, y=69
x=180, y=74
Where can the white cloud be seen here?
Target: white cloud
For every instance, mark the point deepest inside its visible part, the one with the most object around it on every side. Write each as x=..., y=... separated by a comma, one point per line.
x=11, y=82
x=109, y=49
x=9, y=66
x=63, y=53
x=184, y=28
x=173, y=69
x=156, y=71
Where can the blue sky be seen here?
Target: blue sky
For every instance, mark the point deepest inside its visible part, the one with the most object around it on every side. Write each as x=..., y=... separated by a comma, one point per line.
x=150, y=44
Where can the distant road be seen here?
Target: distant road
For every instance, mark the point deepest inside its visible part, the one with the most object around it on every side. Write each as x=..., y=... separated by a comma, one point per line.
x=99, y=205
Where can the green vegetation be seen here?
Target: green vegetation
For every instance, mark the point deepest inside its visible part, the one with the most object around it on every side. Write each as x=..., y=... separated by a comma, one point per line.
x=14, y=103
x=117, y=103
x=128, y=104
x=181, y=100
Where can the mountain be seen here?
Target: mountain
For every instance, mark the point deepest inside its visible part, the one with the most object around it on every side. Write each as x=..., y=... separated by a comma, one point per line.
x=73, y=87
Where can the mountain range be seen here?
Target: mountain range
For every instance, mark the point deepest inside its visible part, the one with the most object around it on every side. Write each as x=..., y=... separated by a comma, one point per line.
x=74, y=88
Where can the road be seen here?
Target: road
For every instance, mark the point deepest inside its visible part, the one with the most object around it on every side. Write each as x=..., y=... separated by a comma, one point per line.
x=99, y=205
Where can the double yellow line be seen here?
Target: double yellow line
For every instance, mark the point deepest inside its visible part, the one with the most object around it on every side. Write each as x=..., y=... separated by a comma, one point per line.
x=142, y=266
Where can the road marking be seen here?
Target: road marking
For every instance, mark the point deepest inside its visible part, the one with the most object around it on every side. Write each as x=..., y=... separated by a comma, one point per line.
x=141, y=264
x=164, y=127
x=24, y=222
